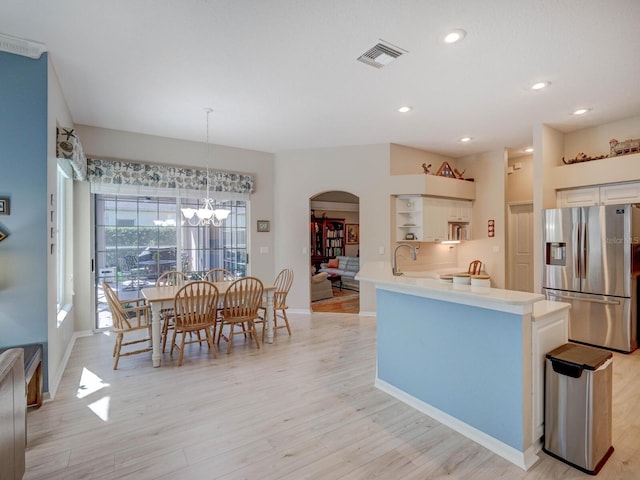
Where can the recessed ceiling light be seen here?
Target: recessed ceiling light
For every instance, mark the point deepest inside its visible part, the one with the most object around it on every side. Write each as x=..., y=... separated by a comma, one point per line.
x=528, y=150
x=454, y=36
x=465, y=139
x=405, y=109
x=540, y=85
x=580, y=111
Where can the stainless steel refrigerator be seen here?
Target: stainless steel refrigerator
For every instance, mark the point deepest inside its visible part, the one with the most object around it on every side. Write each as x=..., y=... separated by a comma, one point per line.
x=591, y=260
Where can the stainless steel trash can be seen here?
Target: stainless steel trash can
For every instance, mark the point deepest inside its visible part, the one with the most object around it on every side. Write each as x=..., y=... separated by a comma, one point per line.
x=577, y=416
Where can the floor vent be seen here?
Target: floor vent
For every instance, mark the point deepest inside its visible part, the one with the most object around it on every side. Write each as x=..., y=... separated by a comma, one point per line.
x=380, y=55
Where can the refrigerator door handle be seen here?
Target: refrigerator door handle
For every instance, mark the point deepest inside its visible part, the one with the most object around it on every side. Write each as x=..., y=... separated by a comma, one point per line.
x=582, y=299
x=585, y=250
x=577, y=251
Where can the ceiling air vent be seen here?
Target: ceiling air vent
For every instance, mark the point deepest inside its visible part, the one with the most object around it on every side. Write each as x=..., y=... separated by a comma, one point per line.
x=380, y=55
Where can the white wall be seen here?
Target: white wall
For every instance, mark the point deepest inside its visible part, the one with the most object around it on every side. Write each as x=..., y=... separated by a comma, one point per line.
x=300, y=175
x=520, y=182
x=60, y=336
x=104, y=143
x=489, y=171
x=408, y=160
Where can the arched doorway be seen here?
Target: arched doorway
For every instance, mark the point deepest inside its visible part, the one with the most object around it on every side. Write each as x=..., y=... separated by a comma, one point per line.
x=334, y=252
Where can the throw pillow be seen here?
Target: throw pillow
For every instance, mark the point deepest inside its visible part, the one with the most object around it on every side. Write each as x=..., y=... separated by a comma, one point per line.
x=333, y=263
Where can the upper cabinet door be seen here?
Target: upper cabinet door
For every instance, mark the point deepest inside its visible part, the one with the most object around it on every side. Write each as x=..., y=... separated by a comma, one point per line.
x=434, y=223
x=458, y=211
x=578, y=197
x=618, y=194
x=615, y=194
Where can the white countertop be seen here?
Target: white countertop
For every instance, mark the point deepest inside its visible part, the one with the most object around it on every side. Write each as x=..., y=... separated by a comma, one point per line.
x=380, y=274
x=547, y=307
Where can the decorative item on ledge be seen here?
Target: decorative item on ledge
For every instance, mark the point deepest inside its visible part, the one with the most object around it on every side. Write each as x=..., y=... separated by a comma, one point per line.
x=445, y=170
x=3, y=235
x=581, y=157
x=624, y=148
x=617, y=149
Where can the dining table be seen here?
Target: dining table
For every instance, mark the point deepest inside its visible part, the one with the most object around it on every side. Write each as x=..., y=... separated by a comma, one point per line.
x=163, y=297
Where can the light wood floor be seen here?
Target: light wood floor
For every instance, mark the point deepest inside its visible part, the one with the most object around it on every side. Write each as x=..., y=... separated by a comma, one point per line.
x=301, y=408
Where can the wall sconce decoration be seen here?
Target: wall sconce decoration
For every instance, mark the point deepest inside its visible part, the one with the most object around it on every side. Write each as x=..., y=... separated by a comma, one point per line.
x=3, y=235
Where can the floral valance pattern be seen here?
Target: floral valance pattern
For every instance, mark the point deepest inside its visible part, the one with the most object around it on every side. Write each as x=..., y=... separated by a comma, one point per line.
x=163, y=176
x=68, y=147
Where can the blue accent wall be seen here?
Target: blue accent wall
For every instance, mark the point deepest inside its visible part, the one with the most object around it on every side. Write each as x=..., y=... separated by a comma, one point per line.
x=23, y=178
x=465, y=361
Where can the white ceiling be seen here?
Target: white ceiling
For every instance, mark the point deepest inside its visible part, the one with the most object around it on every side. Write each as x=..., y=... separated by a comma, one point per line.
x=283, y=75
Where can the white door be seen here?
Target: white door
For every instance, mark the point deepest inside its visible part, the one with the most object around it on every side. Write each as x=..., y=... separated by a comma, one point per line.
x=521, y=247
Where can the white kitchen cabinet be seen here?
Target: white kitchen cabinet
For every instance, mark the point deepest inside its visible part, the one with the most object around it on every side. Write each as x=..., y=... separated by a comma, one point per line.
x=613, y=194
x=459, y=211
x=578, y=197
x=431, y=219
x=434, y=225
x=620, y=193
x=549, y=330
x=409, y=218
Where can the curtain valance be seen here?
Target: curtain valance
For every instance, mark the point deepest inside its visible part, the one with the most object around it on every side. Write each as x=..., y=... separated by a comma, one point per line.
x=167, y=177
x=69, y=149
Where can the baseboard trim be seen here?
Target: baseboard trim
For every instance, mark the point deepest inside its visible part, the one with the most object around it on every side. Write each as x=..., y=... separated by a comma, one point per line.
x=54, y=383
x=524, y=460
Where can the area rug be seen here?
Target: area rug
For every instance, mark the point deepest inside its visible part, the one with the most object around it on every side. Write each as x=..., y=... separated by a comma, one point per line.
x=338, y=296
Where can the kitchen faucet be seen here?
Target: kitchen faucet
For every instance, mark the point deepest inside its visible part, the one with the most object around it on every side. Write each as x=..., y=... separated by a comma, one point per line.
x=411, y=248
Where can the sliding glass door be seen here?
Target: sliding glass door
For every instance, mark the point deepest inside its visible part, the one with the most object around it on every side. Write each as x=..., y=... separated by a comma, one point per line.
x=139, y=238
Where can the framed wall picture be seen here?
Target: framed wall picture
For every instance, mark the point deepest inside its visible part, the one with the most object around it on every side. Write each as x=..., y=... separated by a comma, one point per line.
x=4, y=205
x=263, y=226
x=353, y=233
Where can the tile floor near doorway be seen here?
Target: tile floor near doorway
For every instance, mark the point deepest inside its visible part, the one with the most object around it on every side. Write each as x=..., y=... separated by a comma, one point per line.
x=303, y=407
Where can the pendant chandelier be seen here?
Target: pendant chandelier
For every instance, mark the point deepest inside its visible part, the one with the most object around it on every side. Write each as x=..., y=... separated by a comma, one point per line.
x=207, y=214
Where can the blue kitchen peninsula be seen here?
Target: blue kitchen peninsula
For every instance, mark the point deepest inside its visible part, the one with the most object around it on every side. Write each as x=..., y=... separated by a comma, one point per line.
x=470, y=357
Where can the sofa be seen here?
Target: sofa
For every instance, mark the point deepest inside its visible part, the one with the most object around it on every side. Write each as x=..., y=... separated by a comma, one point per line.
x=320, y=287
x=347, y=267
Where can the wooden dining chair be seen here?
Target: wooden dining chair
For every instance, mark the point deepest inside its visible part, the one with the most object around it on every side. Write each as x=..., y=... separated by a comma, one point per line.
x=475, y=267
x=169, y=279
x=129, y=317
x=194, y=311
x=240, y=307
x=283, y=283
x=218, y=275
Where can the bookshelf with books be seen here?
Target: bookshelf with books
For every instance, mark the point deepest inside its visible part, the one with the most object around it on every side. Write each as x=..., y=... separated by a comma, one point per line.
x=327, y=237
